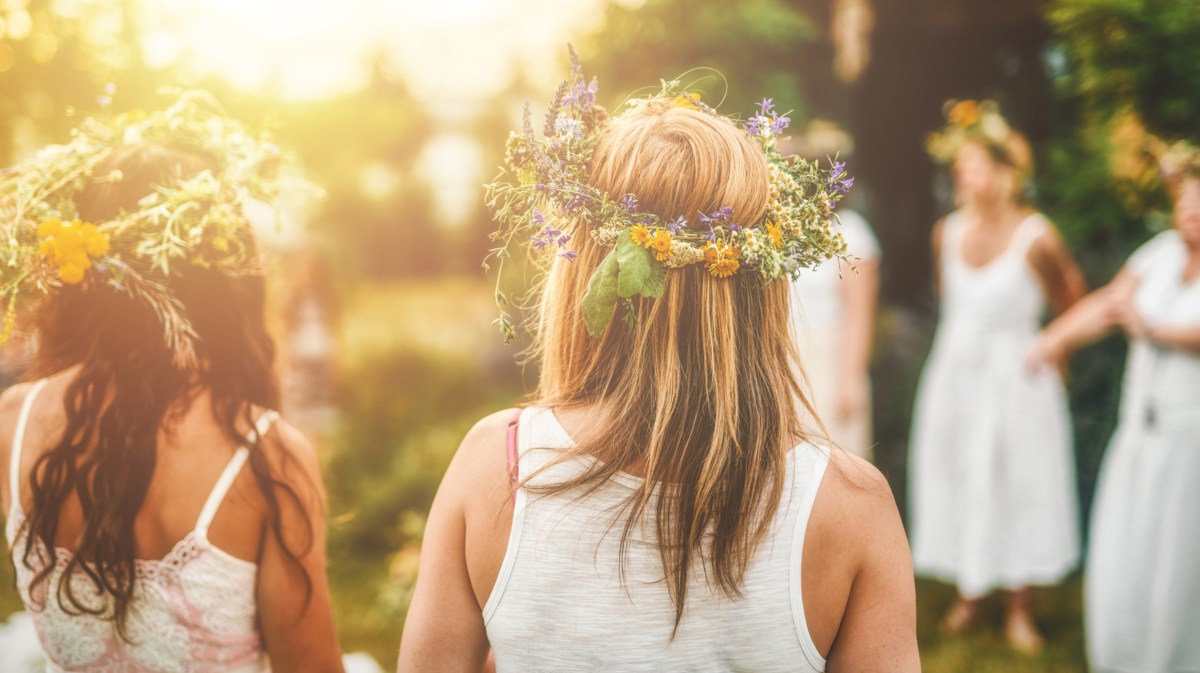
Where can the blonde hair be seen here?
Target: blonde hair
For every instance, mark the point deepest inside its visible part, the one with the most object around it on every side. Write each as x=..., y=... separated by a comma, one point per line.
x=700, y=391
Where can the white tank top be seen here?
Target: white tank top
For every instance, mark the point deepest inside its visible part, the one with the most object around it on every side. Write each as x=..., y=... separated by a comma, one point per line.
x=561, y=604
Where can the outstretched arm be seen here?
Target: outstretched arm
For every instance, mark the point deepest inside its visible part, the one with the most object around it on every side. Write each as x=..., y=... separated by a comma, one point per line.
x=1086, y=322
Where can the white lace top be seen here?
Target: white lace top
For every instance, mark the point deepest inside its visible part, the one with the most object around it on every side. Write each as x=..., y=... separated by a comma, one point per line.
x=194, y=611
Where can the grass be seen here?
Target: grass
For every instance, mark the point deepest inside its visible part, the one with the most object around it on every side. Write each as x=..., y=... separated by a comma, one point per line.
x=1058, y=611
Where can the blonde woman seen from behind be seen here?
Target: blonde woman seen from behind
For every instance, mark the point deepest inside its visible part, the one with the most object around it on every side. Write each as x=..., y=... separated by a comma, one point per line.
x=671, y=514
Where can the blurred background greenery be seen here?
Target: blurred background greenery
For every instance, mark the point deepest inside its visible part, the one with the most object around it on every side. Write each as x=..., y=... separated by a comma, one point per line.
x=400, y=109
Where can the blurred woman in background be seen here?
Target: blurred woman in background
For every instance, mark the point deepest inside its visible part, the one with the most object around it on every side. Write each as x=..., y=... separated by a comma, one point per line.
x=833, y=312
x=1142, y=589
x=992, y=476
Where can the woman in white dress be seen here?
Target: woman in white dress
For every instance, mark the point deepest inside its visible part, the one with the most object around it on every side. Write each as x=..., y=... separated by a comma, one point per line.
x=992, y=476
x=1142, y=587
x=833, y=314
x=833, y=310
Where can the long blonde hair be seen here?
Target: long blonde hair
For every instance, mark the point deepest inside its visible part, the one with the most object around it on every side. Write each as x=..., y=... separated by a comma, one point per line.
x=700, y=389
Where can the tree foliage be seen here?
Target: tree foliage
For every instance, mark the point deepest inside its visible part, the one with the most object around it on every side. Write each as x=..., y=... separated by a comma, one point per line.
x=1142, y=55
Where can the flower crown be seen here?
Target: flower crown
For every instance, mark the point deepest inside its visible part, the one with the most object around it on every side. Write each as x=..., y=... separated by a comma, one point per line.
x=1176, y=159
x=197, y=221
x=968, y=120
x=542, y=193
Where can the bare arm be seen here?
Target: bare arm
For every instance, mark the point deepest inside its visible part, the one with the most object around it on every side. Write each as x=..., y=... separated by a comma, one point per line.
x=878, y=630
x=1186, y=339
x=444, y=631
x=1086, y=322
x=860, y=293
x=297, y=629
x=1061, y=279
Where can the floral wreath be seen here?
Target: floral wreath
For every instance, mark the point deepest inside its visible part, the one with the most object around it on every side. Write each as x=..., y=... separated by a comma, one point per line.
x=541, y=195
x=969, y=120
x=198, y=221
x=1176, y=159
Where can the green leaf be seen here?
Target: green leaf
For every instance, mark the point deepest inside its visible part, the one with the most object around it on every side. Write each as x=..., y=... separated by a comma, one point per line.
x=639, y=273
x=601, y=296
x=627, y=271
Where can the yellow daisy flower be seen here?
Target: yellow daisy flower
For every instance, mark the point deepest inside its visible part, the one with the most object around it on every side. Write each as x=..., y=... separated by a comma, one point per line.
x=661, y=244
x=640, y=235
x=775, y=231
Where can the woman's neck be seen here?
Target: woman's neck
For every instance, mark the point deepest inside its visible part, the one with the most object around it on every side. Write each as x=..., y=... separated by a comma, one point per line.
x=990, y=212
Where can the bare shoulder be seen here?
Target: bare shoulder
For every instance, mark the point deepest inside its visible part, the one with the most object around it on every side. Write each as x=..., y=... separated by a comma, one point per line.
x=938, y=231
x=11, y=401
x=481, y=459
x=285, y=445
x=855, y=506
x=1048, y=240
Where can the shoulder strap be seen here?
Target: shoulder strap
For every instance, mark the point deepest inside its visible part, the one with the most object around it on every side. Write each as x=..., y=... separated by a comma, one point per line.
x=514, y=465
x=1027, y=232
x=952, y=238
x=230, y=473
x=14, y=467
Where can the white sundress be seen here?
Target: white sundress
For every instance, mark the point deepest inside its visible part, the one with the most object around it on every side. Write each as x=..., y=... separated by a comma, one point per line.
x=1142, y=588
x=992, y=490
x=818, y=319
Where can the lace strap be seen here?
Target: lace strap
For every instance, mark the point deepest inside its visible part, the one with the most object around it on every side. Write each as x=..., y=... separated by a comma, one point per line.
x=14, y=468
x=225, y=481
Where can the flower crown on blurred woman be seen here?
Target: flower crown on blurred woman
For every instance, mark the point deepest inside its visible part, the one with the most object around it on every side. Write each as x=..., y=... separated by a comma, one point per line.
x=195, y=220
x=542, y=196
x=981, y=122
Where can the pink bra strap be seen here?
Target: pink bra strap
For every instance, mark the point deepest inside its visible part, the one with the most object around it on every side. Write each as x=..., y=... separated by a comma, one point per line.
x=514, y=467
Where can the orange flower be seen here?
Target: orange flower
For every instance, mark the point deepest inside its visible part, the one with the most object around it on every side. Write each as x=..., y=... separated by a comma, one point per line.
x=964, y=113
x=661, y=244
x=721, y=259
x=71, y=247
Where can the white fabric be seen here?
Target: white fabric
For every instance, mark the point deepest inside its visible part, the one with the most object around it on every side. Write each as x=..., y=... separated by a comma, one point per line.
x=992, y=476
x=818, y=310
x=559, y=603
x=1143, y=579
x=194, y=610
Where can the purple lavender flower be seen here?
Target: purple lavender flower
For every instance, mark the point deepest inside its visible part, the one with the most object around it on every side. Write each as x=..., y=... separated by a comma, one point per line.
x=839, y=183
x=569, y=255
x=538, y=217
x=778, y=124
x=569, y=127
x=574, y=203
x=679, y=223
x=753, y=125
x=564, y=240
x=539, y=243
x=766, y=105
x=629, y=202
